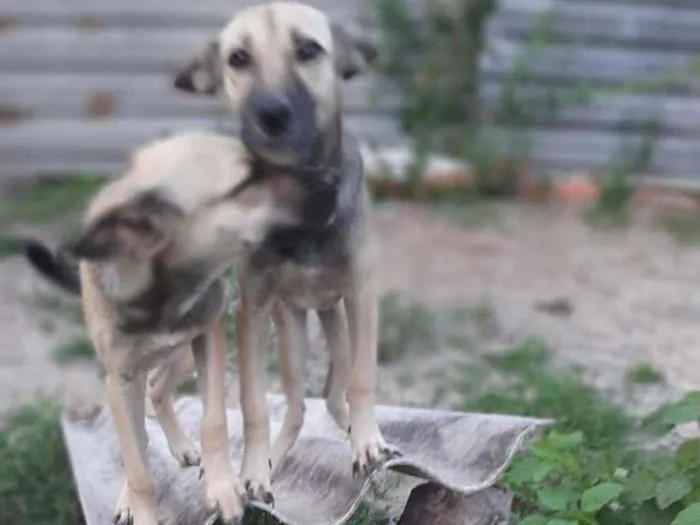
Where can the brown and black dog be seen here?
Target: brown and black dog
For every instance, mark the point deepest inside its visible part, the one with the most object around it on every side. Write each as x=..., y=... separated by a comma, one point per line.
x=281, y=67
x=152, y=252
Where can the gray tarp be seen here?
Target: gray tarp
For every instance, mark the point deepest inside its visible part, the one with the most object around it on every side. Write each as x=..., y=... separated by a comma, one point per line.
x=461, y=455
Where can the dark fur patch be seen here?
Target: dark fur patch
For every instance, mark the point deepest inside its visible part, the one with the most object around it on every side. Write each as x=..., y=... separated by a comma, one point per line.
x=58, y=267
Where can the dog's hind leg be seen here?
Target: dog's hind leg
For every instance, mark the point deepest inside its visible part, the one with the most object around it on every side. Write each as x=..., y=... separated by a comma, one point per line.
x=161, y=387
x=292, y=341
x=136, y=503
x=334, y=323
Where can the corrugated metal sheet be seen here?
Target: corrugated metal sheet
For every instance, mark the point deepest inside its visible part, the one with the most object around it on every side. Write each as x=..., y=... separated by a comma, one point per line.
x=84, y=81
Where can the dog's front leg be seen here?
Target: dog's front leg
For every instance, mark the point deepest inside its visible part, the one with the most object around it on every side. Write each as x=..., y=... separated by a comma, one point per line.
x=368, y=446
x=126, y=396
x=222, y=487
x=292, y=341
x=252, y=326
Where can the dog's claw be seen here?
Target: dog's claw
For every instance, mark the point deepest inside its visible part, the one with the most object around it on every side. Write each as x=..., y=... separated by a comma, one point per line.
x=201, y=472
x=259, y=494
x=355, y=469
x=123, y=518
x=394, y=453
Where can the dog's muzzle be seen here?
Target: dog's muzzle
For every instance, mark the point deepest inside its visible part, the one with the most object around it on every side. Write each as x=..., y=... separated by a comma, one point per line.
x=280, y=121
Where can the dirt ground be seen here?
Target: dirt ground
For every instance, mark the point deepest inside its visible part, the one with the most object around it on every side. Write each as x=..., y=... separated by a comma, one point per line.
x=603, y=299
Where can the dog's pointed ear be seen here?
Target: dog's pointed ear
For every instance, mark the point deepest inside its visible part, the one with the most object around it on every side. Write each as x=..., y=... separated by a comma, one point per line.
x=203, y=73
x=137, y=229
x=352, y=53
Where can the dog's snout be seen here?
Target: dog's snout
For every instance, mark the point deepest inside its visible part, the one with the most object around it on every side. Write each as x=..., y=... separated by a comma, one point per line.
x=274, y=114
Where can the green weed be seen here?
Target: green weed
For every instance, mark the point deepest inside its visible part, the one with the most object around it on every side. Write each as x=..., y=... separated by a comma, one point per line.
x=684, y=226
x=47, y=198
x=10, y=245
x=36, y=484
x=406, y=327
x=77, y=350
x=644, y=374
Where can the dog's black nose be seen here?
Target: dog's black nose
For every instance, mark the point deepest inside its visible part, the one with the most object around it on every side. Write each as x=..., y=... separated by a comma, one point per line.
x=274, y=114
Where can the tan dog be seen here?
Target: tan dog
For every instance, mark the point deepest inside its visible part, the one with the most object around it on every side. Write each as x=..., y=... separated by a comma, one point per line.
x=281, y=65
x=153, y=249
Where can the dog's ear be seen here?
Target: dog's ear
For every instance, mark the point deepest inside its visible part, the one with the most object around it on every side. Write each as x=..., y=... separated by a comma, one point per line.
x=203, y=73
x=137, y=229
x=351, y=52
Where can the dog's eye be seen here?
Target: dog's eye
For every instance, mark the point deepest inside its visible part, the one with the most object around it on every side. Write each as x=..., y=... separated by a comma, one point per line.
x=239, y=59
x=307, y=50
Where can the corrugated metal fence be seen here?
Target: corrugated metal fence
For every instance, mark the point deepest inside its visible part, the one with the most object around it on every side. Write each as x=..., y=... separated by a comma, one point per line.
x=84, y=81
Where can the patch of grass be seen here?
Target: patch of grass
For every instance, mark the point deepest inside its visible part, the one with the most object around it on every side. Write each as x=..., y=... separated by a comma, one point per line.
x=189, y=386
x=612, y=207
x=406, y=327
x=36, y=483
x=10, y=245
x=530, y=388
x=77, y=350
x=61, y=306
x=586, y=469
x=644, y=374
x=485, y=318
x=44, y=199
x=683, y=226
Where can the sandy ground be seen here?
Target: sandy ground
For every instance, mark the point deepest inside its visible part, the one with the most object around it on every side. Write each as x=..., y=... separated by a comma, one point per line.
x=634, y=296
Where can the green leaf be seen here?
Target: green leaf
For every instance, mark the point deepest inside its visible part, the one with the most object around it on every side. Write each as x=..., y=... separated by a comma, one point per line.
x=524, y=470
x=670, y=490
x=556, y=498
x=685, y=410
x=534, y=520
x=688, y=454
x=641, y=486
x=565, y=441
x=662, y=465
x=650, y=514
x=561, y=522
x=597, y=497
x=689, y=516
x=542, y=471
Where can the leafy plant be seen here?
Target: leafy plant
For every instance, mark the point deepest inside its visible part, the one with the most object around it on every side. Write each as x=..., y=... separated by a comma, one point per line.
x=46, y=198
x=36, y=485
x=561, y=479
x=76, y=350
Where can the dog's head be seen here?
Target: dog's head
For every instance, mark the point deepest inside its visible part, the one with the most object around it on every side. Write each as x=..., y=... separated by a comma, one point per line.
x=280, y=65
x=190, y=200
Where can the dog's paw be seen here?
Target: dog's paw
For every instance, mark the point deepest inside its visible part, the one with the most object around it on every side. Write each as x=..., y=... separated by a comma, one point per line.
x=223, y=494
x=186, y=453
x=369, y=452
x=257, y=469
x=123, y=515
x=127, y=512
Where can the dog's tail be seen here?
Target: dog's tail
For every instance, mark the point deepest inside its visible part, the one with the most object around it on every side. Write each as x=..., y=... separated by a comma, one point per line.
x=59, y=267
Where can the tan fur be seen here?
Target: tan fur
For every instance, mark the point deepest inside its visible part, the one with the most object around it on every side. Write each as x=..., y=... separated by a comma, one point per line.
x=345, y=295
x=195, y=172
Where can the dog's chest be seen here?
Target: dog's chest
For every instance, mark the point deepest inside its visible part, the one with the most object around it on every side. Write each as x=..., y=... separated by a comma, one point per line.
x=311, y=287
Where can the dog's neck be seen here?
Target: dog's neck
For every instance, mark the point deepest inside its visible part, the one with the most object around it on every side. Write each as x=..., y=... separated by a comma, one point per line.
x=148, y=297
x=335, y=158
